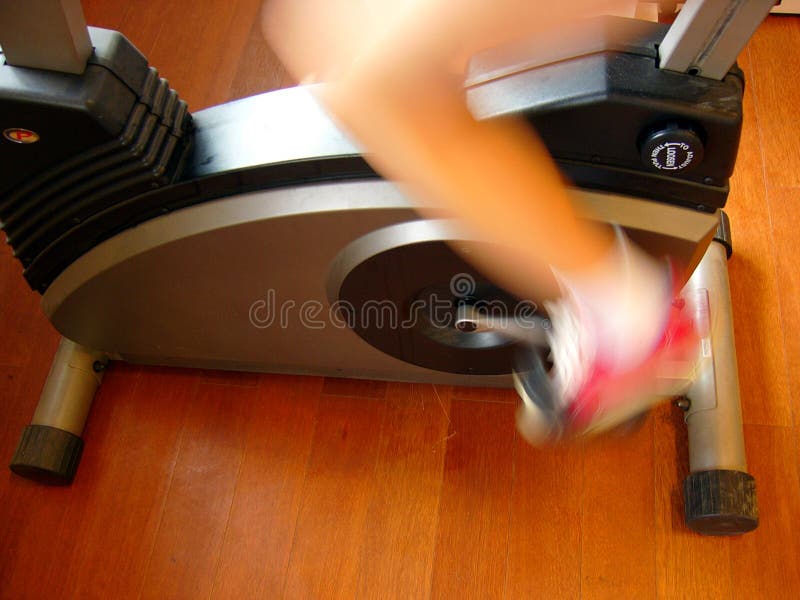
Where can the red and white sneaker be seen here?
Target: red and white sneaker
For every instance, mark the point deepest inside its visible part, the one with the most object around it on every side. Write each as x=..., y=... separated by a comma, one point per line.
x=585, y=394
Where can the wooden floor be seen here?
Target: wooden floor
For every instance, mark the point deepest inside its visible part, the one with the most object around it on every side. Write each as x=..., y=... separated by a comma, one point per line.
x=204, y=484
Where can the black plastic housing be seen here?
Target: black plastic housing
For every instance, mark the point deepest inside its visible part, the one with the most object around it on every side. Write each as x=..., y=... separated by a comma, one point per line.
x=595, y=109
x=105, y=136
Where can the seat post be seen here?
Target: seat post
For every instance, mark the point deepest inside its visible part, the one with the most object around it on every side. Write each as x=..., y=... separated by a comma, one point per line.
x=708, y=35
x=45, y=34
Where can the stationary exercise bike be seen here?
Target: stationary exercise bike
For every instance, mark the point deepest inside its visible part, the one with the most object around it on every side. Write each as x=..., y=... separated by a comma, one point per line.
x=254, y=236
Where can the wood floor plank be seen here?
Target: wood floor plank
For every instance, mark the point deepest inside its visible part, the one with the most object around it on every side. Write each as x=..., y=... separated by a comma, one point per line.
x=20, y=313
x=331, y=523
x=144, y=27
x=197, y=41
x=128, y=475
x=545, y=539
x=784, y=204
x=258, y=538
x=20, y=387
x=189, y=540
x=100, y=13
x=232, y=378
x=230, y=45
x=754, y=282
x=688, y=565
x=777, y=90
x=764, y=563
x=28, y=513
x=397, y=552
x=474, y=511
x=171, y=34
x=20, y=395
x=11, y=425
x=259, y=69
x=797, y=449
x=354, y=388
x=42, y=549
x=244, y=26
x=476, y=394
x=30, y=542
x=98, y=436
x=618, y=520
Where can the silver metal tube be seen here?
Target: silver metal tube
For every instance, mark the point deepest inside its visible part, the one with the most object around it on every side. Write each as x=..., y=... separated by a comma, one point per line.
x=531, y=331
x=714, y=419
x=708, y=35
x=70, y=387
x=45, y=34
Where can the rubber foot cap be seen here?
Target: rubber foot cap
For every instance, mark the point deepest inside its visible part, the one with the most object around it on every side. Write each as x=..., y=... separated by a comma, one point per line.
x=720, y=502
x=47, y=455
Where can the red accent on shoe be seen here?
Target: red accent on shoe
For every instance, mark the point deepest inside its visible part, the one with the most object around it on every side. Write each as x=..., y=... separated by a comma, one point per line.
x=608, y=390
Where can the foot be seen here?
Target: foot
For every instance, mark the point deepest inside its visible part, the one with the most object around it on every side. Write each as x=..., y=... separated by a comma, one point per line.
x=586, y=392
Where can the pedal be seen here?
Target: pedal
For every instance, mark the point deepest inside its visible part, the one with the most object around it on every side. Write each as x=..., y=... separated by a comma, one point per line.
x=539, y=419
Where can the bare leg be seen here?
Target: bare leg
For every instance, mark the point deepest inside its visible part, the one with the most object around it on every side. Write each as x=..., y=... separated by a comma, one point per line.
x=397, y=85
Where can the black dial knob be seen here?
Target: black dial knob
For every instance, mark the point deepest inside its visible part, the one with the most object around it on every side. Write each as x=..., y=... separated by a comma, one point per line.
x=672, y=148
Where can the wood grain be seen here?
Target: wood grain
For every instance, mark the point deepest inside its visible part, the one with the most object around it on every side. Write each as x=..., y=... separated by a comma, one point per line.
x=764, y=563
x=777, y=90
x=29, y=558
x=797, y=449
x=687, y=565
x=397, y=550
x=51, y=514
x=354, y=388
x=143, y=28
x=277, y=445
x=508, y=396
x=325, y=556
x=186, y=43
x=67, y=545
x=777, y=95
x=129, y=473
x=29, y=513
x=10, y=428
x=618, y=517
x=544, y=554
x=754, y=283
x=474, y=513
x=232, y=378
x=23, y=383
x=784, y=205
x=197, y=46
x=243, y=29
x=198, y=503
x=258, y=68
x=100, y=13
x=21, y=312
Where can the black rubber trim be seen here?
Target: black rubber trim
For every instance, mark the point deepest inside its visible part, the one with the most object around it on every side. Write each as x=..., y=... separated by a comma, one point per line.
x=96, y=227
x=139, y=208
x=47, y=455
x=645, y=185
x=154, y=142
x=720, y=502
x=723, y=233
